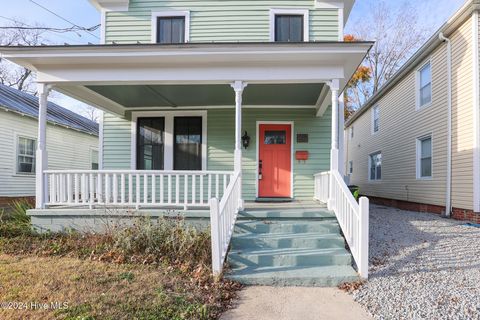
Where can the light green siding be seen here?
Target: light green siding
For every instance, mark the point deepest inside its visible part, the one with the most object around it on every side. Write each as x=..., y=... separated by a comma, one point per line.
x=218, y=21
x=220, y=139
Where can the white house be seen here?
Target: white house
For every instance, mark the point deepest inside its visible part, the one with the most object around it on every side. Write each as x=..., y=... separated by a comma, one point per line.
x=72, y=142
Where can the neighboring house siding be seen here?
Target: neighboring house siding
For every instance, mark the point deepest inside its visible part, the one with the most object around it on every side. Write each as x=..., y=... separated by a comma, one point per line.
x=67, y=149
x=220, y=139
x=401, y=124
x=218, y=21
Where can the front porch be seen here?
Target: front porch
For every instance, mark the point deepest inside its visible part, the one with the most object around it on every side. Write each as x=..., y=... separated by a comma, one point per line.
x=284, y=97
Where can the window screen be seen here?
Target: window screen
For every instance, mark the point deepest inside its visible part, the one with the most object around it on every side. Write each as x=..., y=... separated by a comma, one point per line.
x=150, y=143
x=187, y=143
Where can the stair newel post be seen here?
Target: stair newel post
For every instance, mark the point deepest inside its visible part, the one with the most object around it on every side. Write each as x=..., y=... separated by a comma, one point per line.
x=215, y=235
x=364, y=241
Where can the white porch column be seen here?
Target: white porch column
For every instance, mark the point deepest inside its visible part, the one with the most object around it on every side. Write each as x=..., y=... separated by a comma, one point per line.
x=41, y=163
x=238, y=87
x=334, y=153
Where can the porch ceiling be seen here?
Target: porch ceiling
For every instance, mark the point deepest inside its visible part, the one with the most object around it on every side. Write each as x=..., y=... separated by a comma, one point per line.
x=147, y=96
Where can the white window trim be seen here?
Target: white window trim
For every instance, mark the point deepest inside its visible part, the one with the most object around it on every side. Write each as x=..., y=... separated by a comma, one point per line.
x=373, y=119
x=370, y=164
x=419, y=154
x=160, y=14
x=15, y=155
x=92, y=150
x=417, y=86
x=306, y=21
x=168, y=142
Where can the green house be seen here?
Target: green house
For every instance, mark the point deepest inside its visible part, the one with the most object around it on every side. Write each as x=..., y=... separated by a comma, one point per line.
x=208, y=105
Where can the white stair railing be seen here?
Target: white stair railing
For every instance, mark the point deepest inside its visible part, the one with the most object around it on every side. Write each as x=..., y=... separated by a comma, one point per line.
x=134, y=188
x=352, y=217
x=223, y=215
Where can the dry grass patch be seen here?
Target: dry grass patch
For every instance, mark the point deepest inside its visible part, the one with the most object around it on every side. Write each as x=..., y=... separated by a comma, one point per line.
x=96, y=290
x=152, y=270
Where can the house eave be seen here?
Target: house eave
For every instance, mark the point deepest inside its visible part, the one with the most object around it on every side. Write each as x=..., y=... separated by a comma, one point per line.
x=447, y=29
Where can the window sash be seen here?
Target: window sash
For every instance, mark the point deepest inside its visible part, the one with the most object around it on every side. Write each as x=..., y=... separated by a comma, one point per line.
x=187, y=141
x=376, y=166
x=425, y=85
x=171, y=29
x=25, y=155
x=425, y=158
x=150, y=143
x=289, y=28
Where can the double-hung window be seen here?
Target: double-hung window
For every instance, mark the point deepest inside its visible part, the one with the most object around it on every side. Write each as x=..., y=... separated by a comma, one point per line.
x=424, y=158
x=375, y=166
x=94, y=159
x=424, y=85
x=26, y=155
x=375, y=119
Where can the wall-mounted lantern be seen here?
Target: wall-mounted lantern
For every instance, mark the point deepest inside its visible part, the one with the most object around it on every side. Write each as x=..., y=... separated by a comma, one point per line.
x=245, y=140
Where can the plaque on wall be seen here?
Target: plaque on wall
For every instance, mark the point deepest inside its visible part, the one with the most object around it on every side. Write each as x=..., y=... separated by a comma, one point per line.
x=302, y=138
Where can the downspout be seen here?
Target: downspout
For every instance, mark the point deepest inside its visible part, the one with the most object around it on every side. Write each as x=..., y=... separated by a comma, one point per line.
x=448, y=195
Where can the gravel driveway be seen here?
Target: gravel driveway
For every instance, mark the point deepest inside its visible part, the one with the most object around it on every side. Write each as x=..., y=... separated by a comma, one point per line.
x=421, y=267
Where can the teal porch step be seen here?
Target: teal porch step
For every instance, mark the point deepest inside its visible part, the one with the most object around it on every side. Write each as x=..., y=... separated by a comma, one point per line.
x=324, y=276
x=289, y=247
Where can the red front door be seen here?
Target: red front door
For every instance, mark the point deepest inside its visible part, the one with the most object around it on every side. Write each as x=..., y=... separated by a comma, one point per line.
x=275, y=161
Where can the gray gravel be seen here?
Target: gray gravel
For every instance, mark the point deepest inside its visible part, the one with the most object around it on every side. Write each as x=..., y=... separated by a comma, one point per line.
x=421, y=267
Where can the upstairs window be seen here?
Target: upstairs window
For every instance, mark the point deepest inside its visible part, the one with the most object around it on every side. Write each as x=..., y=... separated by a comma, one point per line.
x=375, y=119
x=350, y=167
x=170, y=27
x=26, y=155
x=351, y=133
x=289, y=25
x=375, y=166
x=288, y=28
x=424, y=80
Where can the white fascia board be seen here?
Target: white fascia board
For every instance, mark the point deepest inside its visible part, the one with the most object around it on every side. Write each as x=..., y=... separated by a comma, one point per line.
x=111, y=5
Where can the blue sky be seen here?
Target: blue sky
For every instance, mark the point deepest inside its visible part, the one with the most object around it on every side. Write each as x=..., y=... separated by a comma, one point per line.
x=432, y=13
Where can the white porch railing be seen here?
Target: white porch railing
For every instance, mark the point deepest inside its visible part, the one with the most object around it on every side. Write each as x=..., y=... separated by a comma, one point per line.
x=223, y=216
x=134, y=188
x=353, y=217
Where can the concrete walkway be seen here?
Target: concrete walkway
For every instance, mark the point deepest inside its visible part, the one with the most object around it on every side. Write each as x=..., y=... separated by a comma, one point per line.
x=291, y=303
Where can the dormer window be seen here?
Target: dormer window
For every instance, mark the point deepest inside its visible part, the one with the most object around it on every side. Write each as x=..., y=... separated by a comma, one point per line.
x=170, y=27
x=289, y=25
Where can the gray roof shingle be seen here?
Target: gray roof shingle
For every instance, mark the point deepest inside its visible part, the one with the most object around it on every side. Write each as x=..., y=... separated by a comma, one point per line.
x=24, y=103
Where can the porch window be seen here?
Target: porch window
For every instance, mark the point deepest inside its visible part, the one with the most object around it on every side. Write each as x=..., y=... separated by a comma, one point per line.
x=150, y=143
x=375, y=166
x=187, y=143
x=171, y=29
x=289, y=28
x=26, y=155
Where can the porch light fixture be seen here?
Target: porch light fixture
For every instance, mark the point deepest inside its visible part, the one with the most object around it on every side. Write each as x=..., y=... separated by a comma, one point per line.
x=245, y=140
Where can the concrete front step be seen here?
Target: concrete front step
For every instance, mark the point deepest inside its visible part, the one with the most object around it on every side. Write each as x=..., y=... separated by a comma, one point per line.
x=287, y=240
x=279, y=213
x=287, y=226
x=323, y=276
x=291, y=257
